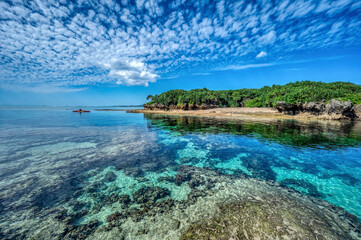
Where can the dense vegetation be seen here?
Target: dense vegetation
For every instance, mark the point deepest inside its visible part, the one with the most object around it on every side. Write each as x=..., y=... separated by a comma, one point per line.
x=305, y=91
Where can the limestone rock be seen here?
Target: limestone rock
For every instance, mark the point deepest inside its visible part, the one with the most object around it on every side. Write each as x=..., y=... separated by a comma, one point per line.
x=340, y=108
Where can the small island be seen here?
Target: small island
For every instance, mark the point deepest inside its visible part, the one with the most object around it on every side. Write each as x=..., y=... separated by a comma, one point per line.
x=300, y=100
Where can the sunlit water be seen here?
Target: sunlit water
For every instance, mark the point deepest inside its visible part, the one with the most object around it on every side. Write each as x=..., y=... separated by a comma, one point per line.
x=77, y=169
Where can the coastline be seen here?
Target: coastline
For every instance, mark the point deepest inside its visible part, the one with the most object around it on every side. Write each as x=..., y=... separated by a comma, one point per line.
x=240, y=113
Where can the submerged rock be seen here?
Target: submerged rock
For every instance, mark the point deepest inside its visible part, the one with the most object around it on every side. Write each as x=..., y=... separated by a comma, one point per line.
x=113, y=198
x=150, y=194
x=193, y=176
x=166, y=179
x=109, y=177
x=269, y=219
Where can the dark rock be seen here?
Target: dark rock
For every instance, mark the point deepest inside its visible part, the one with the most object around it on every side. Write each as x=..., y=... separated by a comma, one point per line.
x=314, y=108
x=124, y=199
x=113, y=198
x=182, y=176
x=150, y=194
x=115, y=217
x=194, y=176
x=290, y=109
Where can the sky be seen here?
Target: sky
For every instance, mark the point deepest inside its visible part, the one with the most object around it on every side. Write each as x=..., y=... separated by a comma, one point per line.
x=116, y=52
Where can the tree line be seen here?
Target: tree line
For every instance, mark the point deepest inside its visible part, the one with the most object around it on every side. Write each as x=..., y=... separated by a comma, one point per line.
x=293, y=93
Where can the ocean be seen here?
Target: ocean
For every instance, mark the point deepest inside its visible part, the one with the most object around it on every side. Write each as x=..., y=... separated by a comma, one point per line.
x=119, y=175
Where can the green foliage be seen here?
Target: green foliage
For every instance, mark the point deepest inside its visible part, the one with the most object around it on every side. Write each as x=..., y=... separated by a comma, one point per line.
x=305, y=91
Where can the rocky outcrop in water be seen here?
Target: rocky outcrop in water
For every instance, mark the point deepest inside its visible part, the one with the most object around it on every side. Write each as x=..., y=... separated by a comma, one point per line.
x=334, y=109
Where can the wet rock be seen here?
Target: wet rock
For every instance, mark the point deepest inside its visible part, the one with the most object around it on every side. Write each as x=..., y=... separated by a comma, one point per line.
x=150, y=194
x=109, y=177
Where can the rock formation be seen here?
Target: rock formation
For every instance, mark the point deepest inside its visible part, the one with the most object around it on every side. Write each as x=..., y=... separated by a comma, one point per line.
x=334, y=109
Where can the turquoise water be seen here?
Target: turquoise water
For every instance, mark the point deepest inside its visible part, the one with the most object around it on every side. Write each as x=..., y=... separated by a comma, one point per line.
x=65, y=174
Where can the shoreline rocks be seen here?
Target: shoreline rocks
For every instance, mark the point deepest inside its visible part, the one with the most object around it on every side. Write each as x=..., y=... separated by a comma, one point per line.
x=334, y=109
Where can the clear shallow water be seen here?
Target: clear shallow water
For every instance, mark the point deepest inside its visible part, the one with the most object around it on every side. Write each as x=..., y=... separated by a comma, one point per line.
x=101, y=172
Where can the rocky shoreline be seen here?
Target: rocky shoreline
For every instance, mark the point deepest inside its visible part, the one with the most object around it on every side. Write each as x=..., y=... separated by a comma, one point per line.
x=333, y=110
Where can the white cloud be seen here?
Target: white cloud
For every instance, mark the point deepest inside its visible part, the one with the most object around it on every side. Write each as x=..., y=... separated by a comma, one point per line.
x=261, y=54
x=60, y=44
x=201, y=74
x=268, y=38
x=247, y=66
x=131, y=72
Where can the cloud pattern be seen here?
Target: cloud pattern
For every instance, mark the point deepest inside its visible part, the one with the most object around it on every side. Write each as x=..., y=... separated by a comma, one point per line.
x=80, y=43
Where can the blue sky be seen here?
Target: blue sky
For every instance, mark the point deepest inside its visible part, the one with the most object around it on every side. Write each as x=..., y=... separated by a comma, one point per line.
x=119, y=51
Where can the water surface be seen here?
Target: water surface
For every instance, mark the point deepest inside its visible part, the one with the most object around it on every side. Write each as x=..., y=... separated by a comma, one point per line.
x=99, y=174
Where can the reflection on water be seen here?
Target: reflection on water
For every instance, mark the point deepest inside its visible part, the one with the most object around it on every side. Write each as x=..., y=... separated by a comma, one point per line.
x=316, y=134
x=113, y=175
